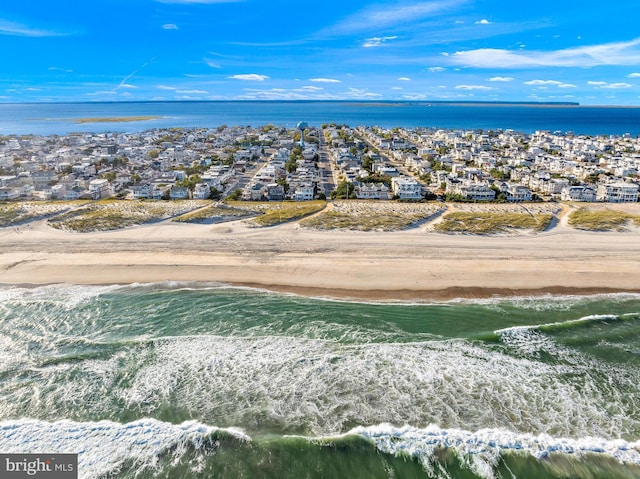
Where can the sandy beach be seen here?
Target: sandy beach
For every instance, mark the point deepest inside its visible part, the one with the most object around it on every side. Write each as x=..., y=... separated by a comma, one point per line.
x=411, y=264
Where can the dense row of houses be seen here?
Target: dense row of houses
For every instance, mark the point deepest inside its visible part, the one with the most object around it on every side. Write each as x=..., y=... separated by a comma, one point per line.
x=471, y=165
x=481, y=166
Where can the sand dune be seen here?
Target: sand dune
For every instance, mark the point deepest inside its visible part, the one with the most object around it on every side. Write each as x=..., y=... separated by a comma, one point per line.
x=408, y=264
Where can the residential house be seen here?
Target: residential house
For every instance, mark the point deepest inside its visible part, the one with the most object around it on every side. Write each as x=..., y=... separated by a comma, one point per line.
x=578, y=193
x=406, y=188
x=179, y=193
x=201, y=191
x=618, y=192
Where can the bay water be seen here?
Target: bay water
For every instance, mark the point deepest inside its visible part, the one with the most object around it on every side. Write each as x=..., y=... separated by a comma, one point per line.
x=62, y=118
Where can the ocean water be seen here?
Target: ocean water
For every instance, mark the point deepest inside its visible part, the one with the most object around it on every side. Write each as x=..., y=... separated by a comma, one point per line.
x=60, y=118
x=207, y=381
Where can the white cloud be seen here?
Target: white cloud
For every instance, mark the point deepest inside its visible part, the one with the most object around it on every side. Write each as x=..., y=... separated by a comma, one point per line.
x=633, y=75
x=404, y=79
x=170, y=26
x=616, y=86
x=377, y=41
x=473, y=87
x=383, y=16
x=211, y=63
x=501, y=79
x=396, y=88
x=362, y=93
x=127, y=85
x=609, y=86
x=436, y=69
x=557, y=83
x=20, y=30
x=165, y=87
x=192, y=92
x=484, y=21
x=60, y=69
x=324, y=80
x=250, y=77
x=620, y=53
x=311, y=88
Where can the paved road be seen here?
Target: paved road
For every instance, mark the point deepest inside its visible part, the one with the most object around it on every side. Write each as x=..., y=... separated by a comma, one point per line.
x=327, y=178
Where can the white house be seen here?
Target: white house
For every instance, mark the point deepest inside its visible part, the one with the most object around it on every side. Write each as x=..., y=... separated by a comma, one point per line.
x=372, y=191
x=517, y=193
x=201, y=191
x=303, y=192
x=578, y=193
x=618, y=192
x=100, y=188
x=406, y=188
x=179, y=193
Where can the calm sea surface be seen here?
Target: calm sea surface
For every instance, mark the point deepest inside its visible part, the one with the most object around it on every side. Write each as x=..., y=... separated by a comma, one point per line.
x=172, y=380
x=60, y=118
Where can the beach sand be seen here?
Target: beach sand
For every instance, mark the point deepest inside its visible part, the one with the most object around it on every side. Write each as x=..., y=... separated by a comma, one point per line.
x=411, y=264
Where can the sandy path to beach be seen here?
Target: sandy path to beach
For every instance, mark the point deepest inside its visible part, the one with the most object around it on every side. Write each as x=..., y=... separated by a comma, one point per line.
x=396, y=265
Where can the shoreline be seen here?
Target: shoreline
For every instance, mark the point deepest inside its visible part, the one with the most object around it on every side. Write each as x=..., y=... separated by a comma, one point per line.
x=437, y=296
x=413, y=264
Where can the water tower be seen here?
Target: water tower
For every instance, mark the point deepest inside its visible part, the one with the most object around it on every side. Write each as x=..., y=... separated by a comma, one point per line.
x=302, y=126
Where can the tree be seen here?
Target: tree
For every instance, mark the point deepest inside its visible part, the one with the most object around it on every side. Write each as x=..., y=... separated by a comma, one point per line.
x=154, y=153
x=135, y=178
x=291, y=165
x=344, y=190
x=235, y=195
x=215, y=193
x=109, y=175
x=367, y=163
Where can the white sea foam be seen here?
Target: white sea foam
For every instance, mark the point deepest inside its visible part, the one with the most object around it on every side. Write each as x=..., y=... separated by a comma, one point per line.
x=323, y=386
x=68, y=296
x=480, y=450
x=104, y=446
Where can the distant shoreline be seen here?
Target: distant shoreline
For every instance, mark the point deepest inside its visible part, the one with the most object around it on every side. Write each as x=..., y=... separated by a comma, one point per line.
x=120, y=119
x=352, y=101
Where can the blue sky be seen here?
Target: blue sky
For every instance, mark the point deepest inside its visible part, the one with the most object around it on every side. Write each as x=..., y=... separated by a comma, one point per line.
x=476, y=50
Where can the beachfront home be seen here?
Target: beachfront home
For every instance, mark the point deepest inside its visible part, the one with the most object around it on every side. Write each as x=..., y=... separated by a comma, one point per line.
x=406, y=188
x=100, y=188
x=201, y=191
x=275, y=192
x=179, y=193
x=619, y=192
x=9, y=194
x=372, y=191
x=303, y=192
x=141, y=191
x=578, y=193
x=471, y=191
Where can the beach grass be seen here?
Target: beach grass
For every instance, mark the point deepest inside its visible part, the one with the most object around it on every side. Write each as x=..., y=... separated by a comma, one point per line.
x=215, y=213
x=360, y=215
x=115, y=119
x=12, y=214
x=492, y=222
x=602, y=219
x=106, y=215
x=271, y=213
